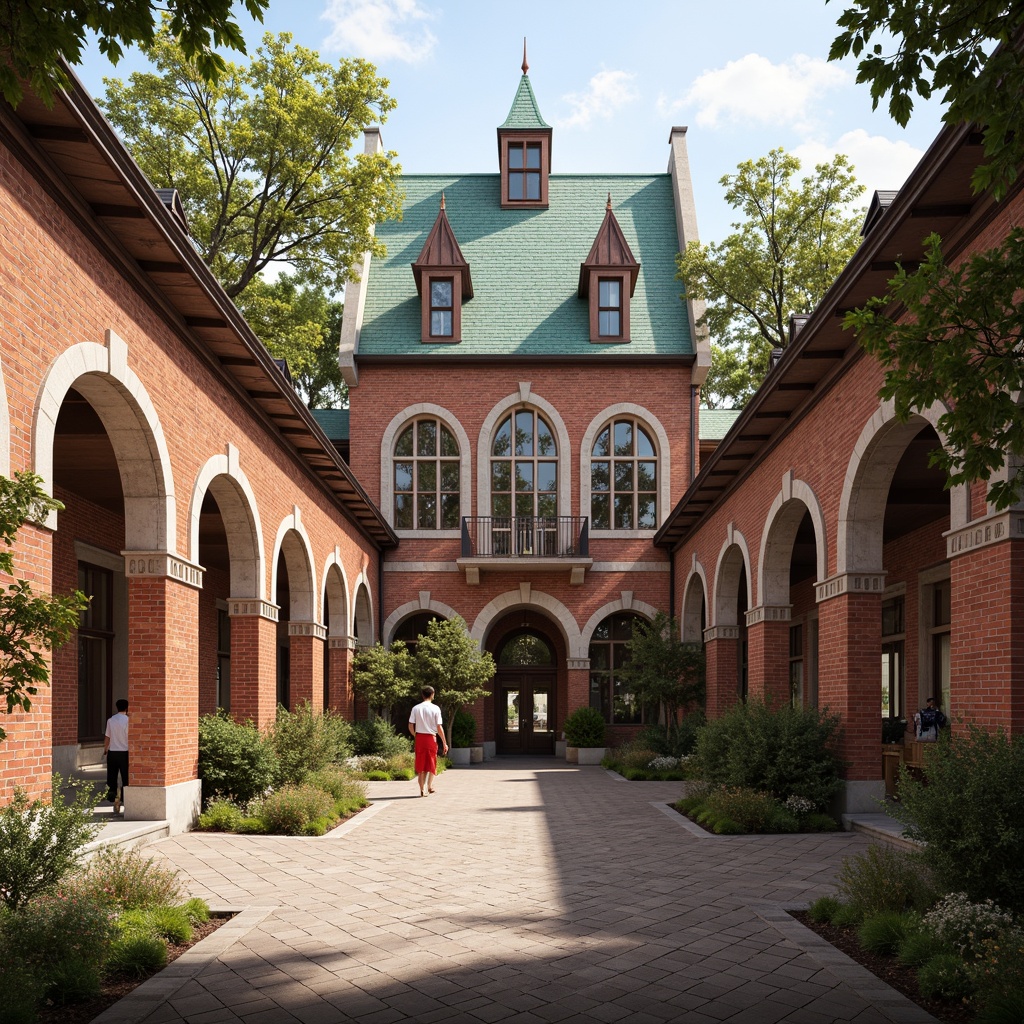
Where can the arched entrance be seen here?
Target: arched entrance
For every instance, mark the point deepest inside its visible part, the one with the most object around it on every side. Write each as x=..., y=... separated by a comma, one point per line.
x=525, y=692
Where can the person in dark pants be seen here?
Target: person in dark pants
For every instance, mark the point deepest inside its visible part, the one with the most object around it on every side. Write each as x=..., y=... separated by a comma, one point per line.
x=115, y=750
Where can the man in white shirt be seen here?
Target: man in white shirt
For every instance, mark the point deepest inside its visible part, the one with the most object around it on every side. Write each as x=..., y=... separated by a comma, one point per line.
x=425, y=724
x=115, y=750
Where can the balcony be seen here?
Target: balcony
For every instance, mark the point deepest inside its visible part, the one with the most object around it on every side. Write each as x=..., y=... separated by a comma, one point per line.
x=525, y=543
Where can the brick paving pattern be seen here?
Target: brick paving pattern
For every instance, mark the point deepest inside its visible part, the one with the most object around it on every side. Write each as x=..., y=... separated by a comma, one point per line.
x=525, y=891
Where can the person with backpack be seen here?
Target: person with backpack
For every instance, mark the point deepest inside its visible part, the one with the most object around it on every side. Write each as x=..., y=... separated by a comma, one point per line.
x=928, y=721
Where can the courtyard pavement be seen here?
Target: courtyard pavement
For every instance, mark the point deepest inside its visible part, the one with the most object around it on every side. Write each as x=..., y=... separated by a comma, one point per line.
x=523, y=890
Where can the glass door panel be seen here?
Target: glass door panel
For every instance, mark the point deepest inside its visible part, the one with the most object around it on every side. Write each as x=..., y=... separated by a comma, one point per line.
x=512, y=711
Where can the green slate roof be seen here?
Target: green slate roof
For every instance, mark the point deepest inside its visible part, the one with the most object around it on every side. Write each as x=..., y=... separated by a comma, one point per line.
x=524, y=112
x=333, y=422
x=526, y=268
x=716, y=423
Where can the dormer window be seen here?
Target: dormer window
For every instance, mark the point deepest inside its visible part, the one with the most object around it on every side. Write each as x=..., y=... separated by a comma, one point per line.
x=524, y=171
x=443, y=282
x=524, y=151
x=607, y=280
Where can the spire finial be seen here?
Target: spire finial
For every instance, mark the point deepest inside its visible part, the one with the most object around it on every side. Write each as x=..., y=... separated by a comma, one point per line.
x=526, y=67
x=608, y=205
x=442, y=199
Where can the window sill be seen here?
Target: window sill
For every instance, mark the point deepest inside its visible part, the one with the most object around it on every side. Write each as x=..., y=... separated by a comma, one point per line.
x=431, y=534
x=622, y=534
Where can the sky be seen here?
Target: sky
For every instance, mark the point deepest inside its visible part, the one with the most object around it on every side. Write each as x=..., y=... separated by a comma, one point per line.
x=611, y=78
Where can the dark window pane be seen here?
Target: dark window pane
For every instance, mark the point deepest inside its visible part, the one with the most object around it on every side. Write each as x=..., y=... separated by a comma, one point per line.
x=622, y=627
x=533, y=185
x=645, y=477
x=533, y=155
x=598, y=655
x=524, y=504
x=403, y=446
x=599, y=476
x=427, y=512
x=545, y=439
x=608, y=324
x=547, y=476
x=441, y=293
x=547, y=505
x=623, y=438
x=515, y=155
x=449, y=446
x=524, y=433
x=403, y=476
x=599, y=512
x=624, y=476
x=501, y=505
x=440, y=325
x=609, y=293
x=644, y=446
x=515, y=185
x=624, y=512
x=524, y=476
x=426, y=473
x=426, y=437
x=449, y=476
x=501, y=476
x=646, y=517
x=602, y=446
x=449, y=511
x=502, y=440
x=403, y=511
x=603, y=632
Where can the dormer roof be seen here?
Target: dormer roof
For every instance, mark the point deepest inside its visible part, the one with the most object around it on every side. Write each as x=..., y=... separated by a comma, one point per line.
x=441, y=250
x=524, y=114
x=609, y=251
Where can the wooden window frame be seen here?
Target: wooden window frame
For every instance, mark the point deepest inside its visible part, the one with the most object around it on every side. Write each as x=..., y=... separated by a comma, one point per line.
x=455, y=278
x=508, y=141
x=623, y=279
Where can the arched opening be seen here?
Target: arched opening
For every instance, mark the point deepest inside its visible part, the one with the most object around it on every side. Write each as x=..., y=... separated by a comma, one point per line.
x=732, y=602
x=362, y=622
x=214, y=658
x=293, y=595
x=695, y=614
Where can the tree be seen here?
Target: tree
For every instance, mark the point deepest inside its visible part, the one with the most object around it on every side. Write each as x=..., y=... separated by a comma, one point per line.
x=37, y=35
x=663, y=670
x=261, y=158
x=301, y=325
x=29, y=624
x=955, y=336
x=794, y=240
x=448, y=659
x=969, y=50
x=383, y=676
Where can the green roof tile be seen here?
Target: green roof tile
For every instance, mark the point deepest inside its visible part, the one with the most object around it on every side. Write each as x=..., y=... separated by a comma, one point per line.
x=716, y=423
x=333, y=422
x=524, y=112
x=526, y=266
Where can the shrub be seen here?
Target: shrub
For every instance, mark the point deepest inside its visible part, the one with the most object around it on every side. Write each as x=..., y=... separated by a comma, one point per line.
x=782, y=821
x=747, y=807
x=23, y=992
x=945, y=977
x=883, y=933
x=252, y=827
x=305, y=740
x=918, y=947
x=585, y=727
x=339, y=783
x=71, y=981
x=965, y=926
x=42, y=843
x=377, y=737
x=378, y=776
x=126, y=878
x=197, y=911
x=688, y=804
x=968, y=812
x=136, y=954
x=463, y=729
x=1002, y=1008
x=634, y=755
x=221, y=815
x=235, y=760
x=782, y=750
x=289, y=810
x=680, y=740
x=847, y=916
x=883, y=878
x=818, y=823
x=171, y=923
x=823, y=909
x=401, y=774
x=999, y=967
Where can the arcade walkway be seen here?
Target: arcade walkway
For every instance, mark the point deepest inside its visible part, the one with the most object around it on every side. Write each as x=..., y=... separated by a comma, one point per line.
x=527, y=891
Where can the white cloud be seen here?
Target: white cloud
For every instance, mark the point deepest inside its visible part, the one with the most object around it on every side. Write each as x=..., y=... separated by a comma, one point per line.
x=754, y=90
x=380, y=29
x=607, y=91
x=878, y=162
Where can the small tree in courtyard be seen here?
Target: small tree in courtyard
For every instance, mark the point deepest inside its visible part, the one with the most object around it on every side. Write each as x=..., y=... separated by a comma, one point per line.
x=383, y=676
x=29, y=623
x=449, y=660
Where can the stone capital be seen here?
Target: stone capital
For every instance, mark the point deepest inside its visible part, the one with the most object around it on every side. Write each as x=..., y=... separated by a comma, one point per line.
x=992, y=529
x=313, y=629
x=578, y=664
x=341, y=643
x=721, y=633
x=162, y=564
x=769, y=613
x=850, y=583
x=254, y=607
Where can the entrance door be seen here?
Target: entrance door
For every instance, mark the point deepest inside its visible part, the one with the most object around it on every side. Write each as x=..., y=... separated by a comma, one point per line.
x=526, y=712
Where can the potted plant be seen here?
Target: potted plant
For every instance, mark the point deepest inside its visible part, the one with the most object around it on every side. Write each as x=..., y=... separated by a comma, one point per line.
x=584, y=736
x=462, y=731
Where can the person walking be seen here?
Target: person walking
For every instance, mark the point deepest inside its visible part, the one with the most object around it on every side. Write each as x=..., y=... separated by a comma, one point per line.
x=115, y=750
x=928, y=721
x=425, y=725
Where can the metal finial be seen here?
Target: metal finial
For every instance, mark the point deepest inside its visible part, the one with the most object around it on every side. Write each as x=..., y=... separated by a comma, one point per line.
x=608, y=205
x=442, y=199
x=526, y=67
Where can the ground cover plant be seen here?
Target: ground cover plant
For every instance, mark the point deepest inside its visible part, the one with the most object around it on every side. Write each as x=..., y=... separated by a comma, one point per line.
x=640, y=761
x=740, y=810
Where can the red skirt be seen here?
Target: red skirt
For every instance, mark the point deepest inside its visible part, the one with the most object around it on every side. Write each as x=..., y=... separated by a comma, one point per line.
x=426, y=753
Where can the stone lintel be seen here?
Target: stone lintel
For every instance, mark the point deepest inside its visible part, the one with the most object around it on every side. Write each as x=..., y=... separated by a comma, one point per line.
x=314, y=629
x=992, y=529
x=850, y=583
x=769, y=613
x=163, y=564
x=239, y=606
x=721, y=633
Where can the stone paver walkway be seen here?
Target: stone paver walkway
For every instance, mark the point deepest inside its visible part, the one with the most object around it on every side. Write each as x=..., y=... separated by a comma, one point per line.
x=526, y=891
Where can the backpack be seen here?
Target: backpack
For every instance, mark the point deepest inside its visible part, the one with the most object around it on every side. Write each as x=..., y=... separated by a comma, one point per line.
x=929, y=719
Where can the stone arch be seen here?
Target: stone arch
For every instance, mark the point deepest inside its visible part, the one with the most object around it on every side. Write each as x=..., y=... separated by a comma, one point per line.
x=527, y=597
x=796, y=499
x=424, y=603
x=733, y=562
x=5, y=428
x=387, y=448
x=334, y=595
x=362, y=613
x=293, y=542
x=224, y=479
x=664, y=456
x=866, y=487
x=695, y=597
x=524, y=397
x=101, y=375
x=624, y=603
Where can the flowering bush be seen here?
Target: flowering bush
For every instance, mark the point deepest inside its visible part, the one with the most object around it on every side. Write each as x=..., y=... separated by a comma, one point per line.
x=367, y=763
x=747, y=807
x=883, y=878
x=663, y=764
x=292, y=810
x=123, y=877
x=967, y=926
x=798, y=804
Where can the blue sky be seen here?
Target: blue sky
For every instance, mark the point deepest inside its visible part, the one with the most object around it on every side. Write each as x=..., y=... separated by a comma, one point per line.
x=744, y=77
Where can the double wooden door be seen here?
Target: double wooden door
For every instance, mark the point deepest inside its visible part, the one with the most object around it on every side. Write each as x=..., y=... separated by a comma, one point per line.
x=525, y=704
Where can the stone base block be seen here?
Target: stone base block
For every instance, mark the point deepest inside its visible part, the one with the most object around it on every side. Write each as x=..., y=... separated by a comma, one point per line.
x=490, y=749
x=862, y=796
x=459, y=756
x=591, y=755
x=178, y=805
x=65, y=759
x=559, y=748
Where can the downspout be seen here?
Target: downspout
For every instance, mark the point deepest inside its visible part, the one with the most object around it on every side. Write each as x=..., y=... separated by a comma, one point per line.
x=671, y=584
x=380, y=598
x=694, y=440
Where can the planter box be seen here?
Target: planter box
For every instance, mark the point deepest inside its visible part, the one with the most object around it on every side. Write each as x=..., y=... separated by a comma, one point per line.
x=590, y=755
x=559, y=748
x=476, y=754
x=459, y=756
x=572, y=754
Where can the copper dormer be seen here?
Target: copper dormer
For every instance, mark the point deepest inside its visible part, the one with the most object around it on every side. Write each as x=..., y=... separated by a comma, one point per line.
x=608, y=280
x=443, y=282
x=524, y=150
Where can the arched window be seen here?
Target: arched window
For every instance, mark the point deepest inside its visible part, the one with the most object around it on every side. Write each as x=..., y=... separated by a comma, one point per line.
x=609, y=691
x=426, y=477
x=624, y=478
x=524, y=467
x=410, y=631
x=525, y=650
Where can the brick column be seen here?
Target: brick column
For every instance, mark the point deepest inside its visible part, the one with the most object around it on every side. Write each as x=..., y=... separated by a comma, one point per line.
x=163, y=688
x=577, y=689
x=306, y=641
x=340, y=697
x=721, y=653
x=253, y=660
x=768, y=653
x=987, y=620
x=849, y=678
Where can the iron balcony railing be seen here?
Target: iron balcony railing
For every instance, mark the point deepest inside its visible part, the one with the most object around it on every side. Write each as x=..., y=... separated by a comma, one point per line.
x=525, y=537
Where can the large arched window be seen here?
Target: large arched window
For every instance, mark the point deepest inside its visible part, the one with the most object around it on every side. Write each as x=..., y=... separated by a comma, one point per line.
x=524, y=467
x=412, y=628
x=624, y=478
x=426, y=477
x=609, y=691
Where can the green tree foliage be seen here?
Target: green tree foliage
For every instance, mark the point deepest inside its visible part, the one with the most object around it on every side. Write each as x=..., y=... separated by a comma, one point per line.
x=952, y=336
x=449, y=659
x=793, y=240
x=302, y=325
x=383, y=676
x=949, y=47
x=664, y=671
x=29, y=624
x=261, y=157
x=37, y=35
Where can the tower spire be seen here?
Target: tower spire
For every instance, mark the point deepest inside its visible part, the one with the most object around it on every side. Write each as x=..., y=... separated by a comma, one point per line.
x=526, y=66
